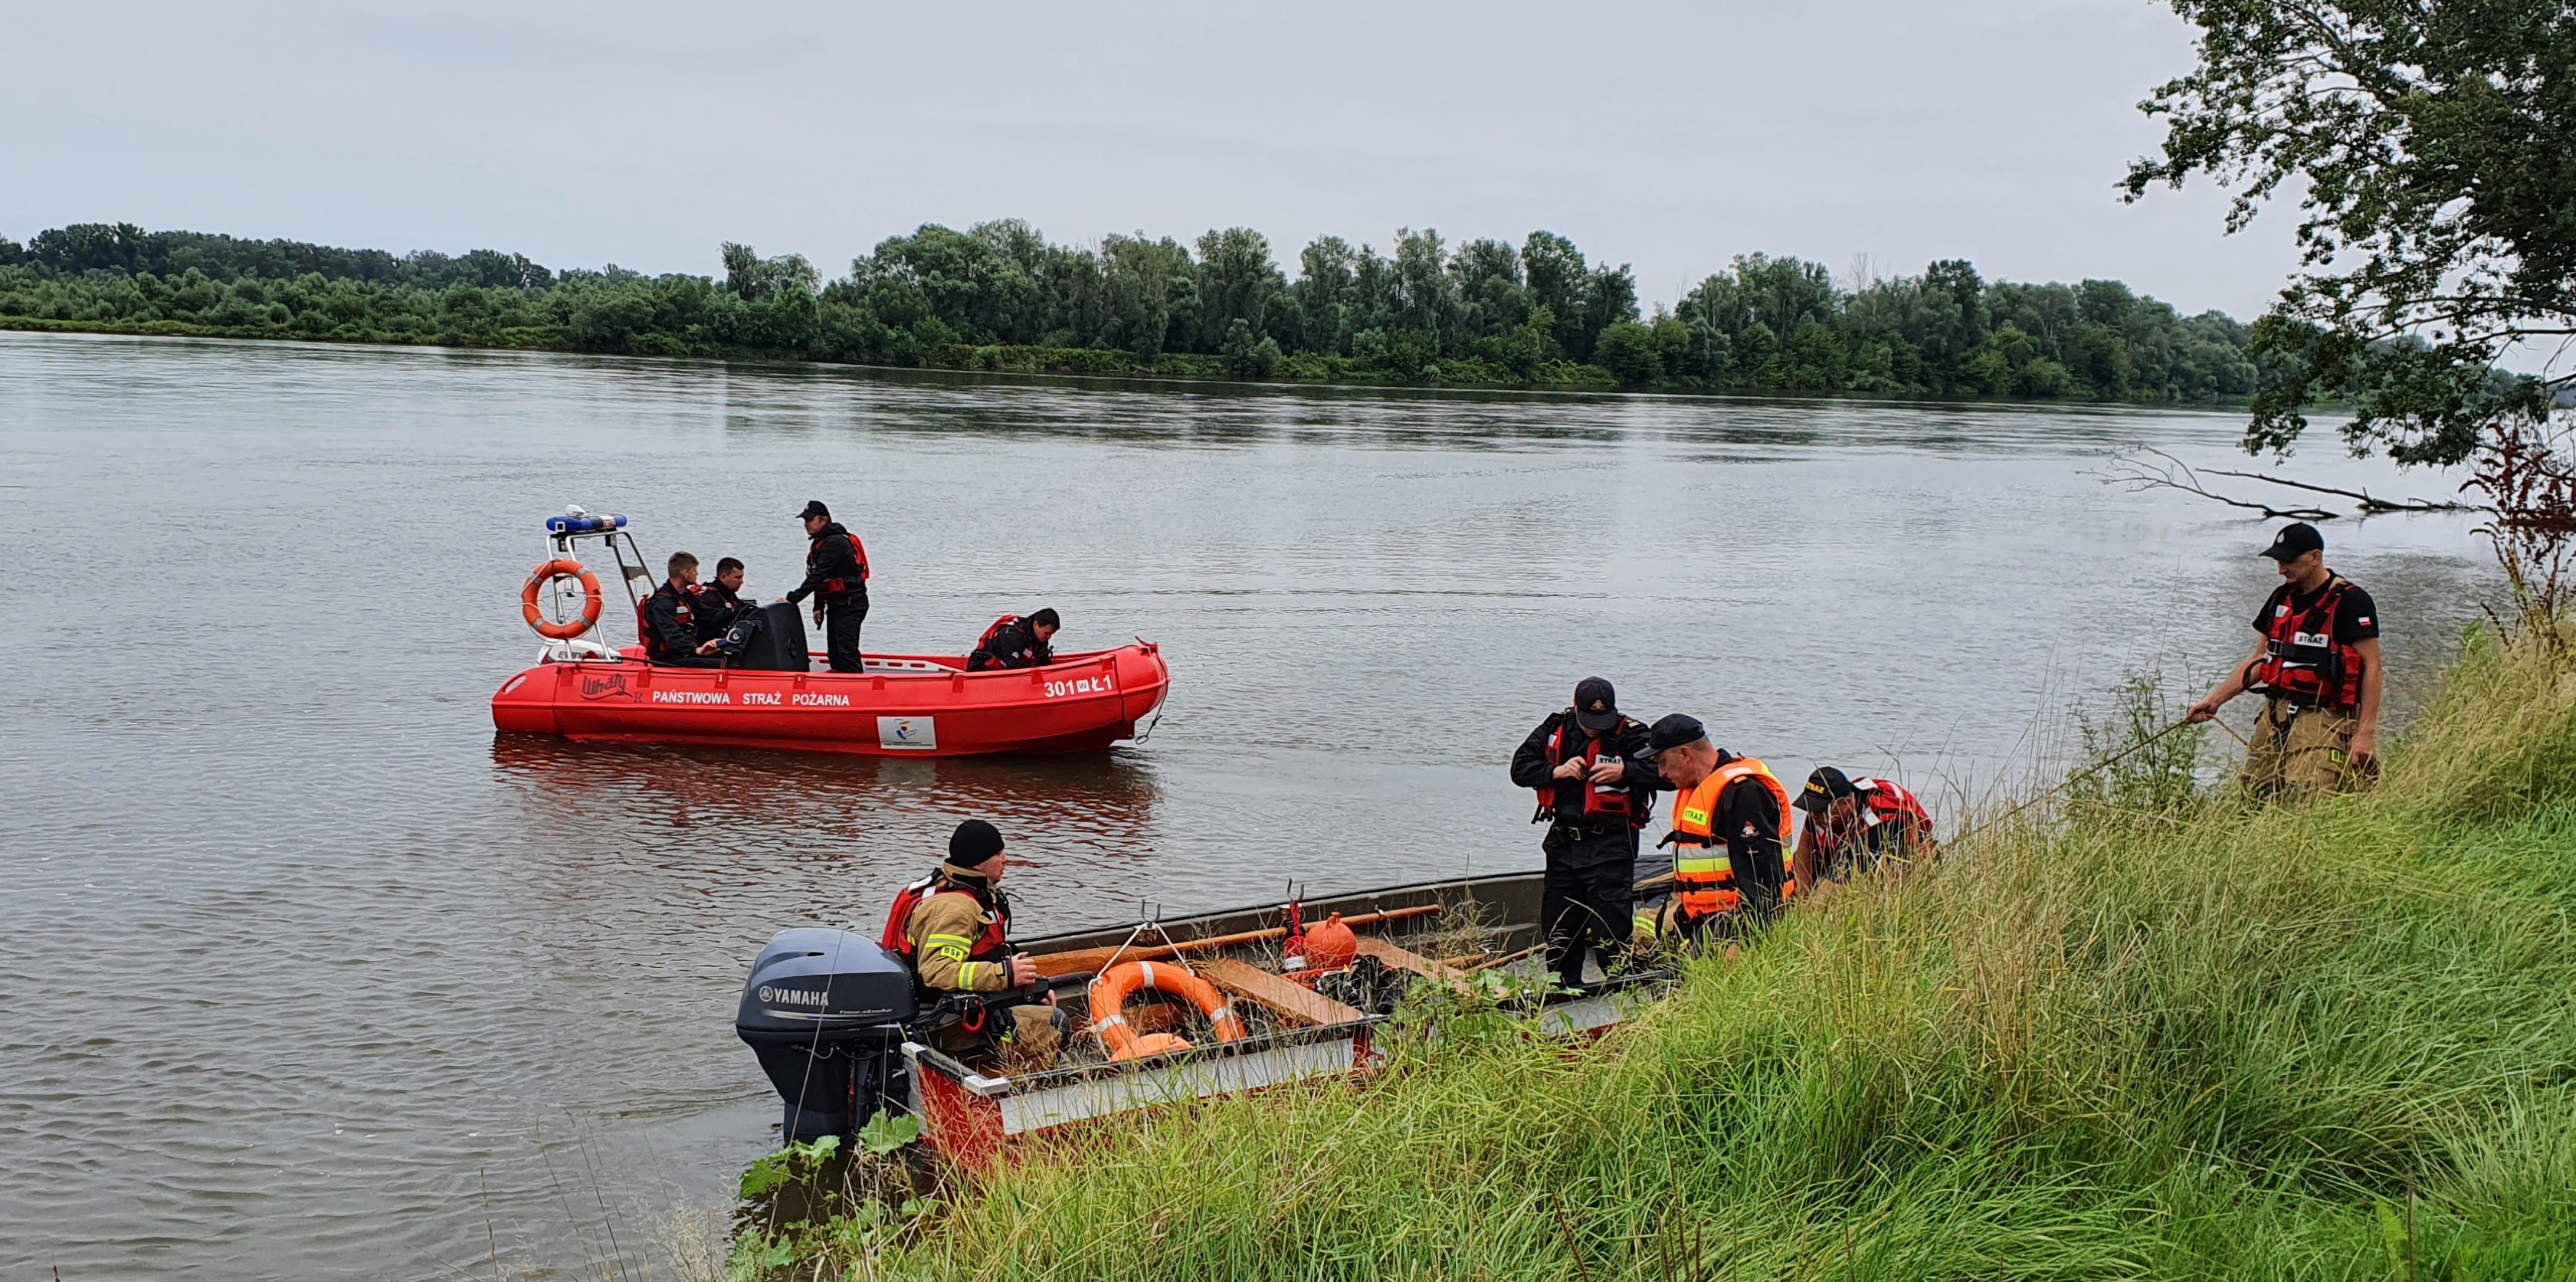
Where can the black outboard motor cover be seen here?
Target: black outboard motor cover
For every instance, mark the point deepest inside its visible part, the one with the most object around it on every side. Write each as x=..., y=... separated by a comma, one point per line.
x=778, y=644
x=824, y=1010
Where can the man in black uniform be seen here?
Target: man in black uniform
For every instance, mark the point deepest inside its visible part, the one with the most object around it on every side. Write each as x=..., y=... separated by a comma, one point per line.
x=720, y=603
x=836, y=576
x=1596, y=790
x=670, y=619
x=1015, y=642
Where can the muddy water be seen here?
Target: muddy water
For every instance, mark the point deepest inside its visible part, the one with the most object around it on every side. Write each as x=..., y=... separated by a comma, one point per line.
x=302, y=973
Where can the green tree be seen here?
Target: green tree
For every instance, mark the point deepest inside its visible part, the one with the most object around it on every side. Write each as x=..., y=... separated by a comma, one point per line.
x=2432, y=149
x=1237, y=281
x=1627, y=349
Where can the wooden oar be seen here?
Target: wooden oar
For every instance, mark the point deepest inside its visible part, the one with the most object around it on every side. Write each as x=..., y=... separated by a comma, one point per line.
x=1084, y=961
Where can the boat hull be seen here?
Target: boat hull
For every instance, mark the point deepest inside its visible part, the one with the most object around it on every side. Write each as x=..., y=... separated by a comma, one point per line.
x=904, y=705
x=977, y=1119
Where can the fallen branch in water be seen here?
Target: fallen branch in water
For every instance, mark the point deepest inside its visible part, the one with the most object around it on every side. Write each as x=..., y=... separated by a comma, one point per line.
x=2137, y=475
x=2363, y=497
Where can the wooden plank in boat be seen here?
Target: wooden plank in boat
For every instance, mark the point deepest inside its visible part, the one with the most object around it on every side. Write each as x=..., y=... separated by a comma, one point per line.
x=1245, y=980
x=1402, y=958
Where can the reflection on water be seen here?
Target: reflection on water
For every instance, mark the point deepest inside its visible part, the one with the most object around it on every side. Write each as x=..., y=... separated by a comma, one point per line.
x=311, y=974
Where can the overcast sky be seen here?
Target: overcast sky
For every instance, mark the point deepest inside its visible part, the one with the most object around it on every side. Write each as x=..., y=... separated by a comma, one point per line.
x=1668, y=135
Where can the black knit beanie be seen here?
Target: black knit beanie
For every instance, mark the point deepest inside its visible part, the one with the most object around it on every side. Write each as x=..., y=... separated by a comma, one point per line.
x=974, y=842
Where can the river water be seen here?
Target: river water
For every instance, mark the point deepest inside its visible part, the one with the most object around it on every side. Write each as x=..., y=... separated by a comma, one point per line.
x=302, y=973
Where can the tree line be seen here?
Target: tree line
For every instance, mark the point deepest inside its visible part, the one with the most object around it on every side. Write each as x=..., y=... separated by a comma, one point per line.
x=999, y=295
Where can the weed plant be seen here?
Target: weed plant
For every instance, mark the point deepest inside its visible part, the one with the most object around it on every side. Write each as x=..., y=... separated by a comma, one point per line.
x=2163, y=1037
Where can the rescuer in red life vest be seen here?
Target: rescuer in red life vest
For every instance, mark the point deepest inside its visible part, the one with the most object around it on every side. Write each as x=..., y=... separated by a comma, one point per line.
x=668, y=618
x=1595, y=791
x=2317, y=665
x=1853, y=824
x=1014, y=642
x=719, y=603
x=836, y=576
x=953, y=928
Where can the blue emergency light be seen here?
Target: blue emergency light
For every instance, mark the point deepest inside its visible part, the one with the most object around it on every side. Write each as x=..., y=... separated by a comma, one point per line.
x=584, y=524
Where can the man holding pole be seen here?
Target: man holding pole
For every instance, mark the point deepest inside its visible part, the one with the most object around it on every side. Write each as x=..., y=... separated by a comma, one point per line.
x=2317, y=666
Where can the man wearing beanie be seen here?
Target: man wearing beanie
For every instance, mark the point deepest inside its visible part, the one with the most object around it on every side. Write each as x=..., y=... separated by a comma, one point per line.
x=953, y=928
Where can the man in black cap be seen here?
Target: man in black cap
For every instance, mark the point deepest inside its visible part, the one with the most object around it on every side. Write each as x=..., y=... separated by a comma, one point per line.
x=953, y=927
x=836, y=576
x=1852, y=824
x=1730, y=833
x=1595, y=791
x=2317, y=666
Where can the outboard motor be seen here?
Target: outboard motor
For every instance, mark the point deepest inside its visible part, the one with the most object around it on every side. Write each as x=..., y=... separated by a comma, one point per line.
x=777, y=644
x=824, y=1011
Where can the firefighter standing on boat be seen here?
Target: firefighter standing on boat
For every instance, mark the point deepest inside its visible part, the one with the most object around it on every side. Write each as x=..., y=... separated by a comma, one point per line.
x=1596, y=788
x=836, y=576
x=953, y=928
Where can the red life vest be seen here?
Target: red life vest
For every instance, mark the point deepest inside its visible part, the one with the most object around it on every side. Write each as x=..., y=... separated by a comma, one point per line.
x=1889, y=802
x=986, y=640
x=857, y=549
x=2302, y=662
x=993, y=945
x=684, y=612
x=1612, y=802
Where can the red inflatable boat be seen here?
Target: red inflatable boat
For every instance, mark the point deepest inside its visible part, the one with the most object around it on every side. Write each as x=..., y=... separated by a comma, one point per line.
x=903, y=705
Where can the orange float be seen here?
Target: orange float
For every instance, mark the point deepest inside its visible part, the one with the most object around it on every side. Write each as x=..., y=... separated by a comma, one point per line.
x=591, y=600
x=1111, y=990
x=1330, y=945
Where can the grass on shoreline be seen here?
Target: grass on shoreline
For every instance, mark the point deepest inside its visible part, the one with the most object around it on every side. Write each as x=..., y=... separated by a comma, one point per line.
x=2337, y=1042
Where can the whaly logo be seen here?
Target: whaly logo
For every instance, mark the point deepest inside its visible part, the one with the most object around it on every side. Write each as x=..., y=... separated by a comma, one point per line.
x=612, y=686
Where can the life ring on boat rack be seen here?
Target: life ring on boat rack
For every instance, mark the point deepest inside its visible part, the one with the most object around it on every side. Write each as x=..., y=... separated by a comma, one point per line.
x=1114, y=986
x=591, y=600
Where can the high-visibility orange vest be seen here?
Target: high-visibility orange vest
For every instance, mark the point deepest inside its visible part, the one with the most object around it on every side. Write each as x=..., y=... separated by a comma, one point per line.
x=1703, y=873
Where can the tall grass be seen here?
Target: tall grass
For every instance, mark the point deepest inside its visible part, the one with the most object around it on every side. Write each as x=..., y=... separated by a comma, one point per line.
x=2187, y=1042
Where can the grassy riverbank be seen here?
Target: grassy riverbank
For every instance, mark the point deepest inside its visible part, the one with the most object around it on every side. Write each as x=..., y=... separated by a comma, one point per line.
x=2335, y=1042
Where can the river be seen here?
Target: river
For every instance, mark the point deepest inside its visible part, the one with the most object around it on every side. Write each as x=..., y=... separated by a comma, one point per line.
x=306, y=975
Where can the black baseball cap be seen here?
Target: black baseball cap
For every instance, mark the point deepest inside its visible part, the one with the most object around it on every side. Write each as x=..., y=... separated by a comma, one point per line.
x=1596, y=705
x=1823, y=787
x=2295, y=540
x=1674, y=731
x=814, y=508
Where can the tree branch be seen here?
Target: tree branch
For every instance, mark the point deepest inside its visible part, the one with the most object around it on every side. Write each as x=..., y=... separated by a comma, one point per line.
x=2136, y=475
x=2368, y=504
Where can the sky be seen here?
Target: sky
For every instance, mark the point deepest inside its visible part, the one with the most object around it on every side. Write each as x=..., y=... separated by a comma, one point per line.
x=1671, y=136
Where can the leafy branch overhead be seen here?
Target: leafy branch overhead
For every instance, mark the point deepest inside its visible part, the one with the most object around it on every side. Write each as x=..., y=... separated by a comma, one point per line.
x=2431, y=145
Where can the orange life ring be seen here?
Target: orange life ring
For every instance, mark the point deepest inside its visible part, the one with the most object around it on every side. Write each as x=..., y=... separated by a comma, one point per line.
x=591, y=601
x=1112, y=989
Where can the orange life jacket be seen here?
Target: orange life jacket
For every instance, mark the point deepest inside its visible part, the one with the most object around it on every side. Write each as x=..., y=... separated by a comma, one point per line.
x=1704, y=880
x=1612, y=802
x=2301, y=660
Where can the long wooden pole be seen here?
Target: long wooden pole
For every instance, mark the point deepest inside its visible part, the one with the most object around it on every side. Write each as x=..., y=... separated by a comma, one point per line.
x=1083, y=961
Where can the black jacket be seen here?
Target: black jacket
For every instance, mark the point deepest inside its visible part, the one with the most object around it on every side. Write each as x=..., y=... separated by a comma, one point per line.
x=715, y=609
x=1628, y=742
x=1016, y=645
x=670, y=622
x=831, y=557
